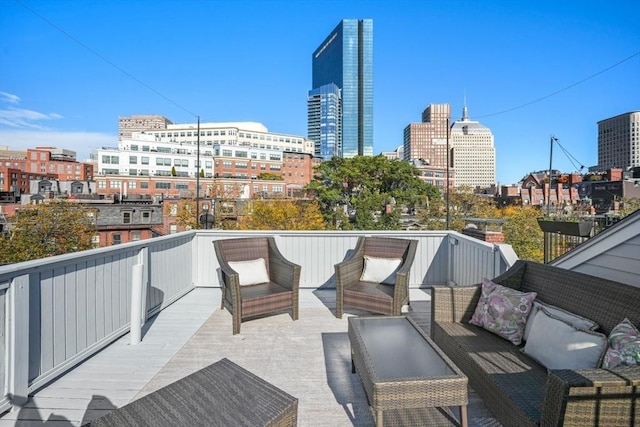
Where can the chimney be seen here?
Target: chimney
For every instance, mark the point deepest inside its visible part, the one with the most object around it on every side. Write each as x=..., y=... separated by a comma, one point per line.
x=487, y=230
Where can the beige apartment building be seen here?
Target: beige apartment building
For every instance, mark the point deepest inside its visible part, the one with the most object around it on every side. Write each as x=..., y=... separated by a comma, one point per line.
x=474, y=154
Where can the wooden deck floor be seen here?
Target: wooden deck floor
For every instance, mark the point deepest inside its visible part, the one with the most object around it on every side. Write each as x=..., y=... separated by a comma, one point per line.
x=192, y=333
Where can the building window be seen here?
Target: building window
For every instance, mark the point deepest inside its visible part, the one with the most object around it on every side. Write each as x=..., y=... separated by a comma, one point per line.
x=144, y=160
x=144, y=185
x=146, y=217
x=135, y=236
x=126, y=217
x=133, y=160
x=163, y=185
x=116, y=238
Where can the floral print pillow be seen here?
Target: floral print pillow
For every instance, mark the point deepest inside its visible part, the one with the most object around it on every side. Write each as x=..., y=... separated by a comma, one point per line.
x=624, y=346
x=503, y=311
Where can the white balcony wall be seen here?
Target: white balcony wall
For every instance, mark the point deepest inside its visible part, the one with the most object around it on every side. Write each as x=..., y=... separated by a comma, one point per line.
x=58, y=311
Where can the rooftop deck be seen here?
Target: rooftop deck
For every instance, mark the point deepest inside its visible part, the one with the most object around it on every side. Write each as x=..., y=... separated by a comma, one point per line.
x=67, y=356
x=309, y=358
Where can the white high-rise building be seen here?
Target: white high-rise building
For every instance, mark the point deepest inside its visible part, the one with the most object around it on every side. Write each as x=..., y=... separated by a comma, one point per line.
x=473, y=152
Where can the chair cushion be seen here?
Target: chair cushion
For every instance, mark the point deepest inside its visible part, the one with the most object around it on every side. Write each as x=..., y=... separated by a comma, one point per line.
x=557, y=344
x=251, y=272
x=503, y=311
x=380, y=270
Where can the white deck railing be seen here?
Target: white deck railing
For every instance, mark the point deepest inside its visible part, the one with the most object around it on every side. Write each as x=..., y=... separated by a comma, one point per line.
x=58, y=311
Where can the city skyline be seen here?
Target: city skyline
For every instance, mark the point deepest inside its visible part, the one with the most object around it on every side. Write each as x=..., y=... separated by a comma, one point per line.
x=568, y=64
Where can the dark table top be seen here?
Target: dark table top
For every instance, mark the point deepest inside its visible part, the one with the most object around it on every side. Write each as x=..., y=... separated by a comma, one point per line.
x=398, y=350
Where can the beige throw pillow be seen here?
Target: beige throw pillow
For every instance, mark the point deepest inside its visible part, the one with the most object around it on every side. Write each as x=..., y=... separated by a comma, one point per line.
x=380, y=270
x=251, y=272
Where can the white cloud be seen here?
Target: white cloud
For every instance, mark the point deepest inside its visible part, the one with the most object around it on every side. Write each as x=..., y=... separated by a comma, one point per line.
x=21, y=118
x=80, y=142
x=9, y=97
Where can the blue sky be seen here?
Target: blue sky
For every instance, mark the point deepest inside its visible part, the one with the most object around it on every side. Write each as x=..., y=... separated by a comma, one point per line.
x=251, y=60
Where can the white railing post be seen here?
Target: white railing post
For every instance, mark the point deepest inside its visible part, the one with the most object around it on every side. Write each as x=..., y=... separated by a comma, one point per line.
x=136, y=304
x=18, y=341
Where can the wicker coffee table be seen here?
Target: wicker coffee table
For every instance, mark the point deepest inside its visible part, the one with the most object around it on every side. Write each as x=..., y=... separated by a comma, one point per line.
x=222, y=394
x=406, y=377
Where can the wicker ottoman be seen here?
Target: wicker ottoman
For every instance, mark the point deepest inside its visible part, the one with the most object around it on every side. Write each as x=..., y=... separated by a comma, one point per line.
x=222, y=394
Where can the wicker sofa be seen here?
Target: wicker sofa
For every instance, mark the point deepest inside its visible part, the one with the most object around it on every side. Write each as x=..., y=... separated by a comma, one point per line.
x=515, y=388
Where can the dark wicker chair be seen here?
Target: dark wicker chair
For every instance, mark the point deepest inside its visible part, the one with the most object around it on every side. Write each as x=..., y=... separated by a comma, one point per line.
x=280, y=293
x=374, y=297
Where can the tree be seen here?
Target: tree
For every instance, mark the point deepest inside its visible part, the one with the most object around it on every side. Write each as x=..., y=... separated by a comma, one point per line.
x=48, y=229
x=282, y=214
x=366, y=193
x=522, y=232
x=173, y=171
x=463, y=203
x=184, y=211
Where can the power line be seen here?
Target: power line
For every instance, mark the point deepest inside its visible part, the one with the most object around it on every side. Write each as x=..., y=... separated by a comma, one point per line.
x=105, y=59
x=563, y=89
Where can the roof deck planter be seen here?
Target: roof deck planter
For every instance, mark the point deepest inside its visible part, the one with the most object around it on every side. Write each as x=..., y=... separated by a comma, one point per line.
x=581, y=228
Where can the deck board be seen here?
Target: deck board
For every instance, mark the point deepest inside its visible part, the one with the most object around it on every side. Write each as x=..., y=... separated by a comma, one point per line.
x=329, y=394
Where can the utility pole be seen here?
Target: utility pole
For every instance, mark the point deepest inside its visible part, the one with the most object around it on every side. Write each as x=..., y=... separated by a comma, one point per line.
x=198, y=176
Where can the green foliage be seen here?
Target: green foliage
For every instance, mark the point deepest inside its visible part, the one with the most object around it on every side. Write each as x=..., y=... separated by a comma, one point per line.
x=173, y=171
x=48, y=229
x=354, y=193
x=522, y=232
x=269, y=177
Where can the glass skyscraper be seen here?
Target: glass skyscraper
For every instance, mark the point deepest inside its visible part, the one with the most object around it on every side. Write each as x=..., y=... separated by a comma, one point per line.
x=345, y=58
x=324, y=120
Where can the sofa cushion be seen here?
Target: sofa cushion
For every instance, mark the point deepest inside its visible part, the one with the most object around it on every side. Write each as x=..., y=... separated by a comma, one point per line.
x=252, y=272
x=557, y=344
x=380, y=270
x=577, y=321
x=623, y=346
x=503, y=311
x=496, y=368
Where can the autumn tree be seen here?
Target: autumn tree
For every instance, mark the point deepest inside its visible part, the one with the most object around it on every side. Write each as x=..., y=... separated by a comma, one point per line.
x=282, y=214
x=48, y=229
x=463, y=203
x=522, y=232
x=366, y=193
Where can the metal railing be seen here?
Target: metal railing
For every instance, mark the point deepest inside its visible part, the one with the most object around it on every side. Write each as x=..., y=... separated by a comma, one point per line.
x=58, y=311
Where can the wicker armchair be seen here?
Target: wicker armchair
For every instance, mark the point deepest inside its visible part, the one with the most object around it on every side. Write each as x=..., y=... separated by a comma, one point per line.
x=245, y=301
x=374, y=297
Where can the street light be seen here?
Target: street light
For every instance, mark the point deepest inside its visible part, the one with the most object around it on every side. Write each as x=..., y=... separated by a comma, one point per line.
x=447, y=193
x=206, y=219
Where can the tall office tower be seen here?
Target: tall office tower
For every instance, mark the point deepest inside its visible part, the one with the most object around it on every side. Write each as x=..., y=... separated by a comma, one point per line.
x=474, y=155
x=140, y=123
x=425, y=145
x=345, y=58
x=619, y=141
x=427, y=141
x=324, y=121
